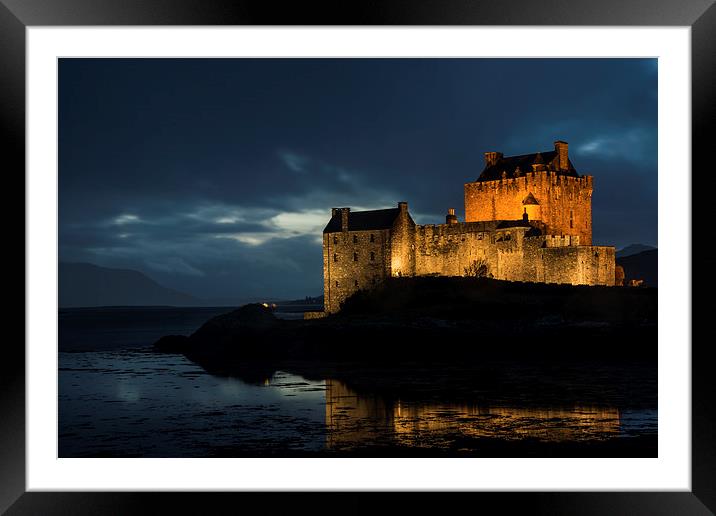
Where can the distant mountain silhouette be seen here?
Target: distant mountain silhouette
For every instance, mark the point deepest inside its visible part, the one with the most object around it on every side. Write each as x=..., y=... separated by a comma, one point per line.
x=84, y=284
x=642, y=265
x=633, y=249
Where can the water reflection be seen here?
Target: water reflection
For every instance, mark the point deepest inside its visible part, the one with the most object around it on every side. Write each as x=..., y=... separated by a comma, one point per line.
x=147, y=405
x=117, y=398
x=354, y=420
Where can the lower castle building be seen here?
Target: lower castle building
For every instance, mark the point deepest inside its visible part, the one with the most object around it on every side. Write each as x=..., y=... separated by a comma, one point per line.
x=527, y=218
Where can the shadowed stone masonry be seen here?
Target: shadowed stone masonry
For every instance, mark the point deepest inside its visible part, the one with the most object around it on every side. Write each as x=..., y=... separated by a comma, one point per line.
x=527, y=218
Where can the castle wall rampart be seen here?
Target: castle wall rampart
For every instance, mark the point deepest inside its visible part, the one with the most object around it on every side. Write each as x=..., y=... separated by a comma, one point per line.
x=448, y=249
x=580, y=265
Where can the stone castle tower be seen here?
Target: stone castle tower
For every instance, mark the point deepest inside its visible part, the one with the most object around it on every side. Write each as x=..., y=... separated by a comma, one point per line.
x=544, y=186
x=527, y=218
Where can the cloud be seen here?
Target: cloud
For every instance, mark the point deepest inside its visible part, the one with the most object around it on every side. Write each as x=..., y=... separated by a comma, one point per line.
x=284, y=225
x=293, y=161
x=165, y=236
x=249, y=238
x=227, y=220
x=125, y=218
x=300, y=223
x=635, y=145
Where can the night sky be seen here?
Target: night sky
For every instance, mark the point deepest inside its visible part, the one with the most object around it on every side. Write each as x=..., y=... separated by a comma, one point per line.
x=216, y=177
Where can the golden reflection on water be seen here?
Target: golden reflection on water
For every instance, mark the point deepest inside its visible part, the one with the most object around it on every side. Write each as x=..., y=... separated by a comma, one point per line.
x=353, y=420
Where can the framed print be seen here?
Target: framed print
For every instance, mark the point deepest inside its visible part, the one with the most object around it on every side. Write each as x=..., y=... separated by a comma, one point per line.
x=438, y=248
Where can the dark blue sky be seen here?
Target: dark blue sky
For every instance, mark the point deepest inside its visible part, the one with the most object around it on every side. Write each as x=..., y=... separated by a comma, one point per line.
x=216, y=176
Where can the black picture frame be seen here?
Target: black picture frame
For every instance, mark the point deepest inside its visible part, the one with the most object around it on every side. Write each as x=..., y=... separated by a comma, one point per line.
x=700, y=15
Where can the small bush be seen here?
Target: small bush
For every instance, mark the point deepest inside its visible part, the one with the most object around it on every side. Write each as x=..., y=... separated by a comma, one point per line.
x=477, y=269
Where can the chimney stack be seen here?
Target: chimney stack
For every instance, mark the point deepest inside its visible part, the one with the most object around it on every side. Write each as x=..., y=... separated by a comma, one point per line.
x=403, y=206
x=451, y=218
x=491, y=158
x=562, y=154
x=344, y=218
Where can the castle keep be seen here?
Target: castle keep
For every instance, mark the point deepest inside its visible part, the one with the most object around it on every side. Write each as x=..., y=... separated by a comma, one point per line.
x=527, y=218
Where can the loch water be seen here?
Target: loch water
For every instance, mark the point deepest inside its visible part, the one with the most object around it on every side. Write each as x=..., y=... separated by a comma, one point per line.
x=118, y=398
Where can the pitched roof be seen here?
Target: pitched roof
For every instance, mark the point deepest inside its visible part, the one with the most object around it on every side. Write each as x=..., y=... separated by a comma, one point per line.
x=364, y=220
x=524, y=162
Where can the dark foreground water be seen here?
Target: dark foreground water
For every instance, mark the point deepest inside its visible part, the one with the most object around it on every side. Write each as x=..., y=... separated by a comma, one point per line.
x=117, y=398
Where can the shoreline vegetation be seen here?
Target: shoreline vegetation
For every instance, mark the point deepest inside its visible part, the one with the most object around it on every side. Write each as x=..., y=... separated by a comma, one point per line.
x=438, y=319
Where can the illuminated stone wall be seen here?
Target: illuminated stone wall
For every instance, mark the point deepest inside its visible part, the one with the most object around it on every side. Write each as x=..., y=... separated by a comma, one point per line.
x=581, y=265
x=402, y=244
x=565, y=203
x=353, y=260
x=447, y=249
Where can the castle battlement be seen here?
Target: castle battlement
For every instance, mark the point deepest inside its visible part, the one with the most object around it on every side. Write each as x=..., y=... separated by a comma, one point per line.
x=527, y=218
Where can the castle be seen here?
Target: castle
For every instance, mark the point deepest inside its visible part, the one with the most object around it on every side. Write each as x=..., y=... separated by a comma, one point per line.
x=527, y=218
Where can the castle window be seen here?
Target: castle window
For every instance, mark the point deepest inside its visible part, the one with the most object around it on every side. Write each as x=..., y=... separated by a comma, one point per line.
x=571, y=219
x=335, y=239
x=355, y=239
x=372, y=237
x=372, y=256
x=335, y=257
x=355, y=283
x=355, y=257
x=336, y=284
